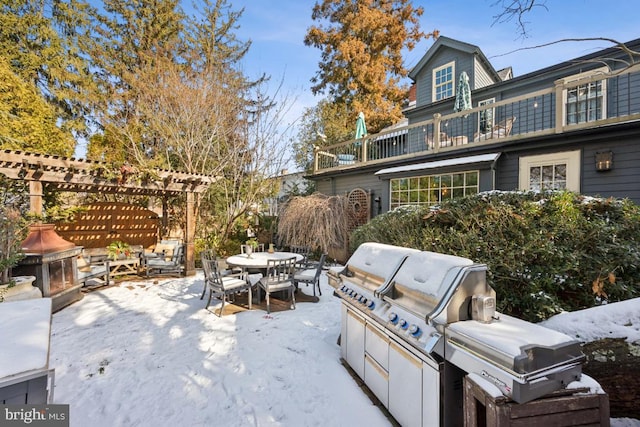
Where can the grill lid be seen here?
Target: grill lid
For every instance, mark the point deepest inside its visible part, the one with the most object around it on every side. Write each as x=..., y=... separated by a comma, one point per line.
x=424, y=281
x=373, y=264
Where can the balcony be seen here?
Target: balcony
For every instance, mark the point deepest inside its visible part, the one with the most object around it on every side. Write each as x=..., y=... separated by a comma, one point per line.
x=584, y=103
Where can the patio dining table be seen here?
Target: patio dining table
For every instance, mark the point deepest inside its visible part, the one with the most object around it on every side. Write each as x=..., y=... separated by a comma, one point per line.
x=259, y=260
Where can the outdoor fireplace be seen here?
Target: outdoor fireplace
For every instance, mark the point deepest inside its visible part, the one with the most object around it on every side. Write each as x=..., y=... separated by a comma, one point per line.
x=53, y=261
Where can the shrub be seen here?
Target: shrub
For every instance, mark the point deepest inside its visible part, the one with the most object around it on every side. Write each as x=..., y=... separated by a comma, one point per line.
x=545, y=252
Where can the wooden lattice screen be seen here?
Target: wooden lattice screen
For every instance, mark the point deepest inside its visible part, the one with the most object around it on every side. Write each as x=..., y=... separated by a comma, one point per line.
x=359, y=208
x=105, y=222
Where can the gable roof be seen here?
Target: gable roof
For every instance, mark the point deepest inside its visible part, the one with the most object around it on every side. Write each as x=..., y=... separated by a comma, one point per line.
x=505, y=73
x=444, y=41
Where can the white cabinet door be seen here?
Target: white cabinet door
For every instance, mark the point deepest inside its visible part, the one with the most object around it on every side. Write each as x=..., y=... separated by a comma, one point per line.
x=377, y=379
x=355, y=342
x=376, y=375
x=405, y=386
x=377, y=346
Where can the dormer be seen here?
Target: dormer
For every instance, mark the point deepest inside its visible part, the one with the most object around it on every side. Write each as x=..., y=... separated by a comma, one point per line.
x=436, y=74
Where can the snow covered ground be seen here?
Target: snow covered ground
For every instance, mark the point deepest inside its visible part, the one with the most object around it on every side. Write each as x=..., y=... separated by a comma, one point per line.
x=149, y=354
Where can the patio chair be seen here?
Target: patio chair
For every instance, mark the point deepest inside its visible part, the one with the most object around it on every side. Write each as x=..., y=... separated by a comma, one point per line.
x=224, y=286
x=500, y=130
x=310, y=276
x=279, y=277
x=167, y=257
x=305, y=252
x=446, y=141
x=207, y=254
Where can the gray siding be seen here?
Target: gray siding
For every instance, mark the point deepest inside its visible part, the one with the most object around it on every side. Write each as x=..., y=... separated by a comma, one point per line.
x=342, y=185
x=623, y=180
x=486, y=180
x=507, y=176
x=481, y=77
x=463, y=62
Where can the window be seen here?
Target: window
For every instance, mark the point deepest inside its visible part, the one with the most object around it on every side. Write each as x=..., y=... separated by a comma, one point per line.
x=443, y=86
x=557, y=171
x=585, y=102
x=432, y=189
x=485, y=118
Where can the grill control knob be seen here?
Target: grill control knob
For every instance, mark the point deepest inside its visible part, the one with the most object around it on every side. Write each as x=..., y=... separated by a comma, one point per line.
x=415, y=331
x=404, y=324
x=393, y=318
x=371, y=305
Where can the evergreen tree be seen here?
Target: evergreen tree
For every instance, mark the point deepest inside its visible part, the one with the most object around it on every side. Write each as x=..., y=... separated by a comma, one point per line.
x=40, y=40
x=27, y=121
x=128, y=40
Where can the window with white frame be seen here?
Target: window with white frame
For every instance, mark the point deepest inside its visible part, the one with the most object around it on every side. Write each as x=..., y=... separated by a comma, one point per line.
x=556, y=171
x=432, y=189
x=443, y=85
x=586, y=101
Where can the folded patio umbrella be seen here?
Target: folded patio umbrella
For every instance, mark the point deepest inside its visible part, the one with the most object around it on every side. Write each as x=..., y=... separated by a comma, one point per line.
x=361, y=127
x=463, y=94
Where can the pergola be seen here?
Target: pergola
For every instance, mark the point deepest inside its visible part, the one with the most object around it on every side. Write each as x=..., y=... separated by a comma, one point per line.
x=57, y=173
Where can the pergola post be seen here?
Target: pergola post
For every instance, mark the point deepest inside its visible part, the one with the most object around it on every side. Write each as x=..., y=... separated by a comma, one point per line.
x=164, y=226
x=189, y=264
x=35, y=197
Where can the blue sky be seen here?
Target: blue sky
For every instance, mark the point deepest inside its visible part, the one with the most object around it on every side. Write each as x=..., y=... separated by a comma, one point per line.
x=277, y=29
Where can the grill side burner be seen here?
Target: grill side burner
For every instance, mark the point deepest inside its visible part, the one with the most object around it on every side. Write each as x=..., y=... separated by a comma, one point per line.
x=415, y=323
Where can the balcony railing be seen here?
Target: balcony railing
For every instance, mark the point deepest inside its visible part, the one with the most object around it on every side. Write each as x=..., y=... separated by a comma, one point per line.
x=589, y=102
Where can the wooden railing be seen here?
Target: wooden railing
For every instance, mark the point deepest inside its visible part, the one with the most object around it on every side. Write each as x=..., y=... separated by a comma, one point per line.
x=533, y=114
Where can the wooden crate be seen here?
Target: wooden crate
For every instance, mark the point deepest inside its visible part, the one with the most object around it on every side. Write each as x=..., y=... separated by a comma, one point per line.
x=562, y=408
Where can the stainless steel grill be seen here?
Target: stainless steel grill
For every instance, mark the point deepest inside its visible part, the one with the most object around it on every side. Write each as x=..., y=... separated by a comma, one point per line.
x=415, y=323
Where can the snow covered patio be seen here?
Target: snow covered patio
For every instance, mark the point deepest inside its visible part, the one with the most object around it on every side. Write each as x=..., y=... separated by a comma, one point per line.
x=142, y=353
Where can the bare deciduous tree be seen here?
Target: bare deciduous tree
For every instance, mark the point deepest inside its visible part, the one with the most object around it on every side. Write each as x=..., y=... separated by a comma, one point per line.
x=247, y=177
x=516, y=10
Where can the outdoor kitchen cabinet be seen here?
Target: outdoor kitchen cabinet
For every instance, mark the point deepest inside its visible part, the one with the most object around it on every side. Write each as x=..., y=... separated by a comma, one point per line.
x=353, y=344
x=405, y=383
x=405, y=386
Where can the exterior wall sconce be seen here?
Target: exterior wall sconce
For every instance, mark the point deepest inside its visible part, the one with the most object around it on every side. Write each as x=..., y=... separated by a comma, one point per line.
x=378, y=202
x=604, y=161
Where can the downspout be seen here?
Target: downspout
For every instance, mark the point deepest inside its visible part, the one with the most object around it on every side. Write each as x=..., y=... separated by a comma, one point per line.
x=493, y=172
